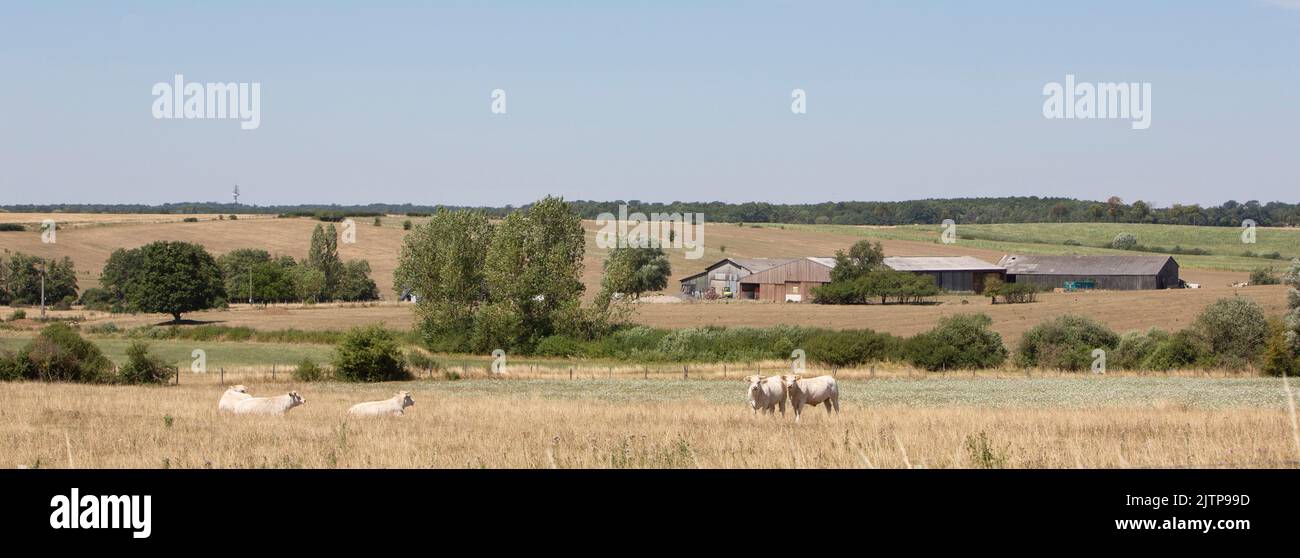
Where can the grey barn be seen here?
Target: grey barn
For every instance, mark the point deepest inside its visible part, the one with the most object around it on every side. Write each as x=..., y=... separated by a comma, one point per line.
x=1119, y=273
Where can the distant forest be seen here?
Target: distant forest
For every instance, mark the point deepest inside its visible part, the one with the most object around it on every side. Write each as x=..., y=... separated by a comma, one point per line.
x=917, y=212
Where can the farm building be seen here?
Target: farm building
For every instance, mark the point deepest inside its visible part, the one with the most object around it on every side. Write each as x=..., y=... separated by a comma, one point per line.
x=952, y=273
x=724, y=276
x=791, y=281
x=1120, y=273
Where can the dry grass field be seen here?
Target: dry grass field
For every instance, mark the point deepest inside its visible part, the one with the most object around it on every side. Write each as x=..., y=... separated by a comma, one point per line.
x=1121, y=310
x=624, y=423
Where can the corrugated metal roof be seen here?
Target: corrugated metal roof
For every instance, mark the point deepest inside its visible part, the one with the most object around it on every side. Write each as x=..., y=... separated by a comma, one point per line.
x=812, y=270
x=939, y=263
x=1083, y=265
x=754, y=265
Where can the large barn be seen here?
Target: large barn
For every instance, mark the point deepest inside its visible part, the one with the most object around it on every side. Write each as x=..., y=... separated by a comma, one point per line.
x=950, y=273
x=724, y=276
x=1120, y=273
x=792, y=281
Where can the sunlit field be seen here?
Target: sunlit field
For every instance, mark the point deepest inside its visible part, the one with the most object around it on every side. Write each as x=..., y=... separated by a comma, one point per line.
x=887, y=422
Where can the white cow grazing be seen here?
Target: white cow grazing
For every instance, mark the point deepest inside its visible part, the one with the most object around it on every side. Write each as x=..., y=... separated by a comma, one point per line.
x=766, y=394
x=812, y=391
x=392, y=406
x=277, y=405
x=232, y=395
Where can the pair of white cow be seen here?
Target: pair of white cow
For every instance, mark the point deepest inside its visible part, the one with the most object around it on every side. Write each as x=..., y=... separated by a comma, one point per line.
x=770, y=392
x=237, y=400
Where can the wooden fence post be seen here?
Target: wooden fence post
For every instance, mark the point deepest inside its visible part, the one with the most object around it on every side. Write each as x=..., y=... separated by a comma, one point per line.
x=570, y=372
x=223, y=375
x=272, y=372
x=724, y=371
x=645, y=372
x=686, y=375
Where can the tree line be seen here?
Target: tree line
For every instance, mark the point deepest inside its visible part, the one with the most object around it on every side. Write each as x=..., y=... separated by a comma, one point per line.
x=180, y=277
x=1014, y=209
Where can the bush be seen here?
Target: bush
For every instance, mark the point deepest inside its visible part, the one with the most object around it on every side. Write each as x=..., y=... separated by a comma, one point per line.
x=421, y=361
x=1234, y=331
x=838, y=349
x=1136, y=346
x=308, y=371
x=66, y=303
x=1124, y=241
x=190, y=220
x=9, y=369
x=963, y=341
x=1279, y=358
x=1064, y=343
x=144, y=368
x=1179, y=351
x=369, y=354
x=97, y=299
x=59, y=354
x=1011, y=293
x=558, y=346
x=1264, y=276
x=12, y=227
x=407, y=224
x=18, y=314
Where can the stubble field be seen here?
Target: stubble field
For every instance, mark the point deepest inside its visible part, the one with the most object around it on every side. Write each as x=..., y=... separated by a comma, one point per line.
x=1061, y=422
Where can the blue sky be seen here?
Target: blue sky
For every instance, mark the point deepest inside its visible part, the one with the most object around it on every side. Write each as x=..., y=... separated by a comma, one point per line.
x=390, y=101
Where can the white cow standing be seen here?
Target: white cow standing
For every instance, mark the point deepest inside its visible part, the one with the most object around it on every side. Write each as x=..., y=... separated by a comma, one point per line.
x=766, y=394
x=812, y=391
x=393, y=406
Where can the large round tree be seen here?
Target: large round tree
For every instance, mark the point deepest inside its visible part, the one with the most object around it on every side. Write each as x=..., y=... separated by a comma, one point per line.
x=174, y=278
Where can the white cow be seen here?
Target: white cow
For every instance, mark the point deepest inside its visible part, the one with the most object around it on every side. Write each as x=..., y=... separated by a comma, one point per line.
x=391, y=406
x=766, y=394
x=232, y=395
x=277, y=405
x=812, y=391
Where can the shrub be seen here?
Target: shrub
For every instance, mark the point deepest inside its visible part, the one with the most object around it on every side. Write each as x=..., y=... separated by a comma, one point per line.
x=308, y=371
x=407, y=224
x=66, y=303
x=1135, y=346
x=190, y=220
x=144, y=368
x=59, y=354
x=963, y=341
x=98, y=299
x=18, y=314
x=1124, y=241
x=1264, y=276
x=1065, y=343
x=377, y=222
x=1279, y=358
x=1179, y=351
x=838, y=349
x=558, y=346
x=369, y=354
x=9, y=367
x=1234, y=331
x=1011, y=293
x=421, y=361
x=12, y=227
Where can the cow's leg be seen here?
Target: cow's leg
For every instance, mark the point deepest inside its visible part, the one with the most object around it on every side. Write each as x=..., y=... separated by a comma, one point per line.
x=797, y=413
x=836, y=400
x=828, y=408
x=782, y=404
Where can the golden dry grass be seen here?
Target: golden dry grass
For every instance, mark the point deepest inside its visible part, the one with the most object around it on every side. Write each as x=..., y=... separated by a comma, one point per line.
x=625, y=423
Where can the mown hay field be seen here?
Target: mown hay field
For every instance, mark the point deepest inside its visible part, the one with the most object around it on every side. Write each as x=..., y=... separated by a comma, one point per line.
x=1084, y=421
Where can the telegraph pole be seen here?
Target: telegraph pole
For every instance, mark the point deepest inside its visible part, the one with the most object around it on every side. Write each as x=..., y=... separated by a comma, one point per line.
x=250, y=286
x=42, y=288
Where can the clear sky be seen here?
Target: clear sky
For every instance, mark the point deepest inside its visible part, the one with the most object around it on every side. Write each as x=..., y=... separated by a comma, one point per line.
x=665, y=100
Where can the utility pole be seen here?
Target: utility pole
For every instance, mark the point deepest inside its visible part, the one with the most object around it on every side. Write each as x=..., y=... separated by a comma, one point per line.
x=42, y=288
x=250, y=286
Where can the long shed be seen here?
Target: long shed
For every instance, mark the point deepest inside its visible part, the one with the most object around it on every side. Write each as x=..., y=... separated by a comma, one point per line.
x=1120, y=273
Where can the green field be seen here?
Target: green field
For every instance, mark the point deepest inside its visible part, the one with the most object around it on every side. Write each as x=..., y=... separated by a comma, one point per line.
x=1223, y=243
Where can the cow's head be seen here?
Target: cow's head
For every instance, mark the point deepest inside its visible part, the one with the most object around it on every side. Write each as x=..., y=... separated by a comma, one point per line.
x=791, y=382
x=239, y=388
x=755, y=383
x=296, y=400
x=405, y=397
